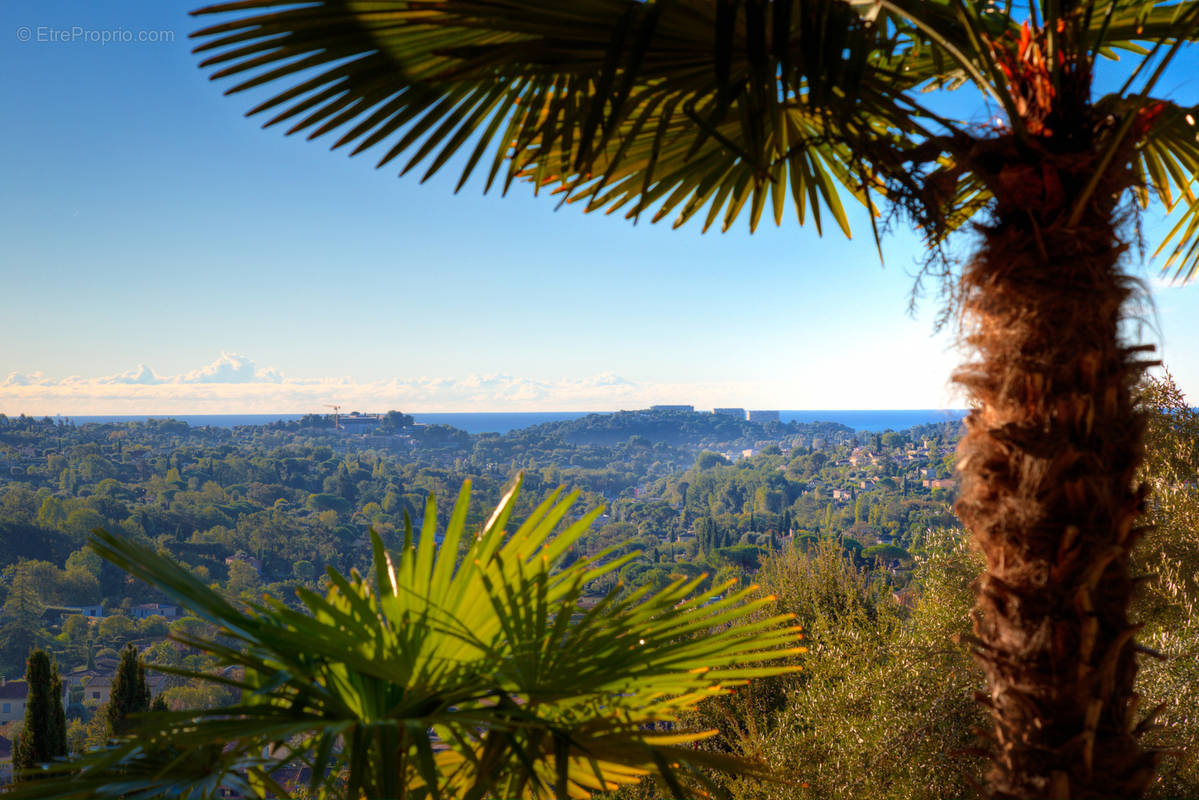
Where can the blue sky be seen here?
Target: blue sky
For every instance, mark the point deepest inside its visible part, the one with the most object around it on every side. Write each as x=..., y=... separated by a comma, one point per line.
x=165, y=255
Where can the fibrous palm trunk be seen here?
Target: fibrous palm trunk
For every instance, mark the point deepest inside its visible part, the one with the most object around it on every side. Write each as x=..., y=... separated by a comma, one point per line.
x=1047, y=468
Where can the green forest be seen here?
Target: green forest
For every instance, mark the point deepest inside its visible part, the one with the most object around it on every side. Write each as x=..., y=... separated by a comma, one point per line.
x=269, y=508
x=852, y=533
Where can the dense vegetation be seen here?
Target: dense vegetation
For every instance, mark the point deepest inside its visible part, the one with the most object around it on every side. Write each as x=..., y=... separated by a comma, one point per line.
x=438, y=676
x=271, y=507
x=851, y=533
x=886, y=707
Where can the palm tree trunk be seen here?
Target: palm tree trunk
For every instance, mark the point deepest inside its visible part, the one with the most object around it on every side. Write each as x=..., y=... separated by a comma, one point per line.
x=1047, y=468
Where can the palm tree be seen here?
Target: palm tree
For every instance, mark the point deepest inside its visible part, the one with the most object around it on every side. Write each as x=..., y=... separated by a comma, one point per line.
x=465, y=666
x=681, y=106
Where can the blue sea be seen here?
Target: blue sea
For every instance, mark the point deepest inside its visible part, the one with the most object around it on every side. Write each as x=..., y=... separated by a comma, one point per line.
x=875, y=421
x=502, y=422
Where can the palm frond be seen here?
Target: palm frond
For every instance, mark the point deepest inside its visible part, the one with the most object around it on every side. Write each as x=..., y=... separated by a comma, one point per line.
x=1167, y=163
x=620, y=103
x=460, y=669
x=1135, y=25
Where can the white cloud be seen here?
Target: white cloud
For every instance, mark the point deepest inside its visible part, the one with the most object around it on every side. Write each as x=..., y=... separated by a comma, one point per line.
x=22, y=379
x=234, y=384
x=231, y=368
x=143, y=376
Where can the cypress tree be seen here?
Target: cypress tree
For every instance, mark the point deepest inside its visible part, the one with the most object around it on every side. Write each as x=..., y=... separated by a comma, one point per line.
x=58, y=717
x=703, y=533
x=129, y=695
x=44, y=735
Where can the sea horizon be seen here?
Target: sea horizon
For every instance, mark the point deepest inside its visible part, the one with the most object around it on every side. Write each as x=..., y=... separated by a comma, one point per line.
x=475, y=422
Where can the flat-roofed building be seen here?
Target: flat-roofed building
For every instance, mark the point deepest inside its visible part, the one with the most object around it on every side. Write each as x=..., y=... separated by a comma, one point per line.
x=762, y=416
x=95, y=610
x=360, y=423
x=145, y=610
x=739, y=413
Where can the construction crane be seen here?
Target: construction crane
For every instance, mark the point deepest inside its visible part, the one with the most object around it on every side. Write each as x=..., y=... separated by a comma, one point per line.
x=336, y=416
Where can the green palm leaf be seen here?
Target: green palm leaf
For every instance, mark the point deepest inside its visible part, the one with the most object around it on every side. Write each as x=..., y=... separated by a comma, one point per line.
x=481, y=641
x=1167, y=163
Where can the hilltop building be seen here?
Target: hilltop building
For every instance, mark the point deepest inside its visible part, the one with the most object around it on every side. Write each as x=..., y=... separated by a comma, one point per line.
x=672, y=408
x=360, y=423
x=739, y=413
x=762, y=416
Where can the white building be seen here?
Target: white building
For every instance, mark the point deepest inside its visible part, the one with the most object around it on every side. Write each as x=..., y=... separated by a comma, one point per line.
x=154, y=610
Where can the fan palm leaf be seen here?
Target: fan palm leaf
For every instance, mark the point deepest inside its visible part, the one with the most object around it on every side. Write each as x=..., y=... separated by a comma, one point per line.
x=460, y=669
x=640, y=107
x=621, y=103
